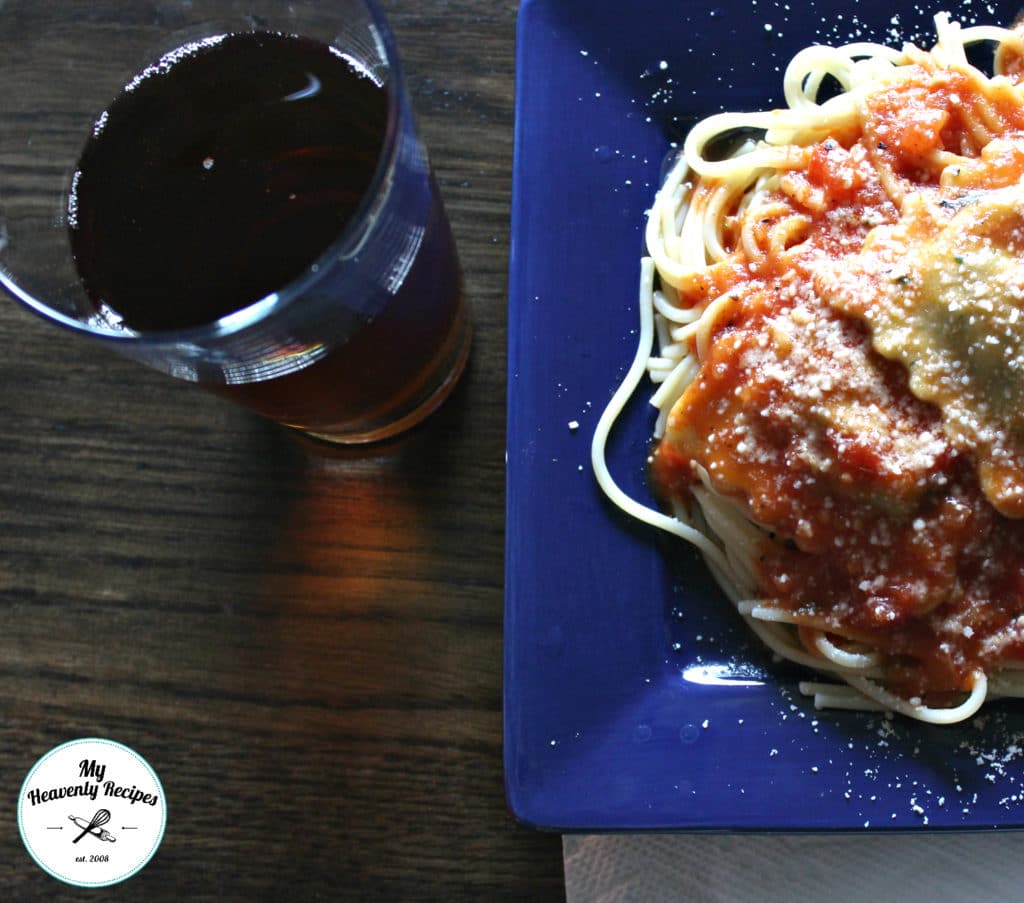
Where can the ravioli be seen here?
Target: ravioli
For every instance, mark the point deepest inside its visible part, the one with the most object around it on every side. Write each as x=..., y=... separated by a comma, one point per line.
x=942, y=291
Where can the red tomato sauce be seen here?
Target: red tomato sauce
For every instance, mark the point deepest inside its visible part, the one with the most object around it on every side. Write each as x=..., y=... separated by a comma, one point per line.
x=880, y=532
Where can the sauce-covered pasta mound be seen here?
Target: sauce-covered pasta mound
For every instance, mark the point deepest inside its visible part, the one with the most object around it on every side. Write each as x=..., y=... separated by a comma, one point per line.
x=838, y=306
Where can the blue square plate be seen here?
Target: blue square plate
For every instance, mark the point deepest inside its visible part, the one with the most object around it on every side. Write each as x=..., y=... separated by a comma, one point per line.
x=634, y=697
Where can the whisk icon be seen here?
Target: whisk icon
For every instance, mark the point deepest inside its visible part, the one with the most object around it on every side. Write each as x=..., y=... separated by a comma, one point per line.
x=101, y=817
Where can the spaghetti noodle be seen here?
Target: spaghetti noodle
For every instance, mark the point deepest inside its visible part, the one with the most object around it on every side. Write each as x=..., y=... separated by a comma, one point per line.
x=838, y=313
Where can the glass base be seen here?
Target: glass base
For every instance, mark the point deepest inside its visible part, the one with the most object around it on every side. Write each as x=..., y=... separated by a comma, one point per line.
x=453, y=367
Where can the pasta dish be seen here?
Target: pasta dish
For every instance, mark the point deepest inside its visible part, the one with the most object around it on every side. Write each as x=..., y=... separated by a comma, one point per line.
x=832, y=312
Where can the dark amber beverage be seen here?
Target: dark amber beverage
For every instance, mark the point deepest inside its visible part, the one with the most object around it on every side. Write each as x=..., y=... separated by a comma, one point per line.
x=391, y=363
x=244, y=173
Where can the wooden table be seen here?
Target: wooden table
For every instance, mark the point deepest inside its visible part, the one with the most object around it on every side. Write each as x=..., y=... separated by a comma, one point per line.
x=307, y=650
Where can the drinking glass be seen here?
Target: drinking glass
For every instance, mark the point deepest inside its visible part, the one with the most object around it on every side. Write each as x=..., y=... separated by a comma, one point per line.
x=363, y=341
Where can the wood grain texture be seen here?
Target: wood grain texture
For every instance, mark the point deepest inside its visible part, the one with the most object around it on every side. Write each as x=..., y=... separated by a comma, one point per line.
x=307, y=649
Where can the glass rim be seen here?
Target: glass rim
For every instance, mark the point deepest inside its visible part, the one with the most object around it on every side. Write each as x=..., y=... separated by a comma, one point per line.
x=236, y=322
